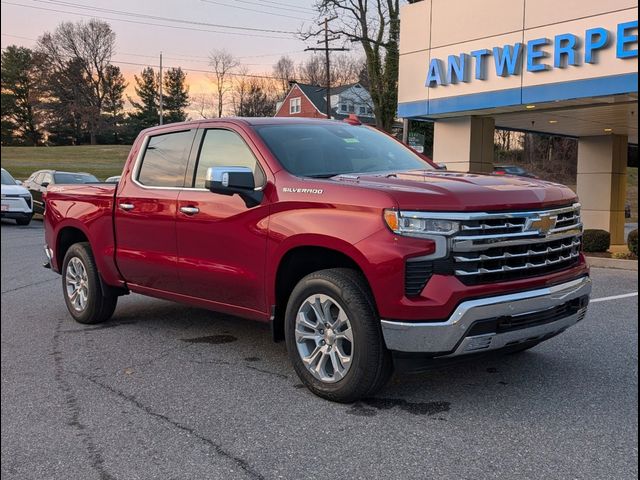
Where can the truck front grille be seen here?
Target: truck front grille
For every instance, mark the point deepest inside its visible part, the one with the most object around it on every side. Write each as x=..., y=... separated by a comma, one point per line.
x=500, y=247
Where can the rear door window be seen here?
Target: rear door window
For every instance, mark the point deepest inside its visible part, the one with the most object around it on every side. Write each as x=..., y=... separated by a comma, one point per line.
x=165, y=159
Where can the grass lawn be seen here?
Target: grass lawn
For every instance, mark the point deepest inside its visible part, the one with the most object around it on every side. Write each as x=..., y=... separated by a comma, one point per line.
x=101, y=160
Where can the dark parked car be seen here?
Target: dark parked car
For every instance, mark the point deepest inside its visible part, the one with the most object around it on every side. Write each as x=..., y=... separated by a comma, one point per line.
x=512, y=170
x=38, y=182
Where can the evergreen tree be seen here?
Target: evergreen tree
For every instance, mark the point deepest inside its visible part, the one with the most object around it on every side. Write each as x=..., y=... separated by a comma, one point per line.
x=21, y=97
x=145, y=113
x=113, y=104
x=68, y=112
x=175, y=95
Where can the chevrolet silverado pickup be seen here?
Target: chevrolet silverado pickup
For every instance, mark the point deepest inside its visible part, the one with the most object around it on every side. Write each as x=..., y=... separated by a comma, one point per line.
x=361, y=254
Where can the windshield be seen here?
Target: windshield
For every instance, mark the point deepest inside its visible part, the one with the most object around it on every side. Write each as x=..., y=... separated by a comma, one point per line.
x=325, y=150
x=7, y=179
x=74, y=178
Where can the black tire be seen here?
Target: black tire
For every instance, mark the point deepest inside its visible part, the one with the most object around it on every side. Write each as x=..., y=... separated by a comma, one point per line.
x=25, y=220
x=99, y=305
x=371, y=363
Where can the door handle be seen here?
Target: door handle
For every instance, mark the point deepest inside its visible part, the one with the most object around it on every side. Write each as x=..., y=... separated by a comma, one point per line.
x=189, y=210
x=126, y=206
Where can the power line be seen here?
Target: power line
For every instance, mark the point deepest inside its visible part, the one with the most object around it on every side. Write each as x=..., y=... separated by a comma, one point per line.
x=255, y=10
x=18, y=36
x=144, y=23
x=288, y=5
x=180, y=56
x=127, y=13
x=290, y=9
x=243, y=75
x=272, y=54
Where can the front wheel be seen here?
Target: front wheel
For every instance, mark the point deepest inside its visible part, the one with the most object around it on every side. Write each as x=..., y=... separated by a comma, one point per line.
x=334, y=338
x=24, y=220
x=83, y=292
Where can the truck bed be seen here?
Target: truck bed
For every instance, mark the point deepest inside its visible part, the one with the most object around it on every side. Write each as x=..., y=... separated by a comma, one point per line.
x=88, y=208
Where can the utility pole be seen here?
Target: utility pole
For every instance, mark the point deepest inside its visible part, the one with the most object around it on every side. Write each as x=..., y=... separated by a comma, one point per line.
x=326, y=49
x=161, y=102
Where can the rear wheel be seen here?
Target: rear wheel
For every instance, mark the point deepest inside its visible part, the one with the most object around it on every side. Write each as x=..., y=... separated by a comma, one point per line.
x=82, y=289
x=334, y=338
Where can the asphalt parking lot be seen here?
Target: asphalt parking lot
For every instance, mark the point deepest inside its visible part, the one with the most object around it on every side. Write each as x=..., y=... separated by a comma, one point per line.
x=167, y=391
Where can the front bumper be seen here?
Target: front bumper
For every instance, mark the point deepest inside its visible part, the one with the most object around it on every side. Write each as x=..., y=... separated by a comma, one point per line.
x=15, y=204
x=494, y=323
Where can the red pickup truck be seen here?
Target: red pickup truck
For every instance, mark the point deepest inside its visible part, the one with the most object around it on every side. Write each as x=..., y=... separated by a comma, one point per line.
x=360, y=253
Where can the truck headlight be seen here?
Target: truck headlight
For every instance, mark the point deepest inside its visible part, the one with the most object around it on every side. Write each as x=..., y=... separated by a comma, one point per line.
x=419, y=224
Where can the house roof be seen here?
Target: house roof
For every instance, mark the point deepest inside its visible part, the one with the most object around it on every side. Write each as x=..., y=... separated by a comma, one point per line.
x=316, y=94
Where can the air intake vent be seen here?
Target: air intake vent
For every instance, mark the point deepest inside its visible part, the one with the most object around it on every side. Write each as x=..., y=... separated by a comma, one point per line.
x=416, y=276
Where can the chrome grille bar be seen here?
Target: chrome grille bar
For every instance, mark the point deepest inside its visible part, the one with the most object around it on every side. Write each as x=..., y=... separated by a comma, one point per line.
x=506, y=268
x=575, y=243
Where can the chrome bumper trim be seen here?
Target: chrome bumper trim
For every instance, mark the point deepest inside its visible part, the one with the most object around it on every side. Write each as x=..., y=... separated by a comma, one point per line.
x=450, y=336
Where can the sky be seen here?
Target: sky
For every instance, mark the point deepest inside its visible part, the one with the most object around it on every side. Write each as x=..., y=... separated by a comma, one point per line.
x=185, y=44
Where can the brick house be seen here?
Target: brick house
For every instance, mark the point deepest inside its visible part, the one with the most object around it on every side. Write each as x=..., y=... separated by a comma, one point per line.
x=309, y=101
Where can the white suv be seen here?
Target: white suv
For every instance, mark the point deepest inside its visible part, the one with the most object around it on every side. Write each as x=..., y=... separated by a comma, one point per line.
x=16, y=200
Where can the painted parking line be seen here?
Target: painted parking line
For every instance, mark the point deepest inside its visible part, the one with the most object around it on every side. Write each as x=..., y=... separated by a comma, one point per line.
x=614, y=297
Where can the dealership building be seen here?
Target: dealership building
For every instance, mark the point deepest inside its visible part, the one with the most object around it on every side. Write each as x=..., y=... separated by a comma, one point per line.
x=563, y=67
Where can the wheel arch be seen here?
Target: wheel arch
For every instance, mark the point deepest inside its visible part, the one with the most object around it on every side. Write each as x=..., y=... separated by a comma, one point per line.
x=299, y=261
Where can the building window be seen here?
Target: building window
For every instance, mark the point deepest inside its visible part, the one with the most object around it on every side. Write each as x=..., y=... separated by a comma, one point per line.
x=369, y=110
x=362, y=110
x=295, y=105
x=343, y=107
x=352, y=109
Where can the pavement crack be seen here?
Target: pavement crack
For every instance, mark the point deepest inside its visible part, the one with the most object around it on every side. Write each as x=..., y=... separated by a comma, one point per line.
x=73, y=407
x=241, y=463
x=267, y=372
x=29, y=285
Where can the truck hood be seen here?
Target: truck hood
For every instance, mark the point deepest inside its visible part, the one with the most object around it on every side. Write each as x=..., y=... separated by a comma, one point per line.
x=457, y=191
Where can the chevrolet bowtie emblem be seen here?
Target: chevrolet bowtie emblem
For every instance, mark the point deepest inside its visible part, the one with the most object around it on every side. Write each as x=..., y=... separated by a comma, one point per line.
x=543, y=224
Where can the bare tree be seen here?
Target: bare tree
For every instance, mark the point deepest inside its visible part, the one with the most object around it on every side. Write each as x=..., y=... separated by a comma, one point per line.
x=204, y=104
x=240, y=91
x=90, y=45
x=312, y=71
x=284, y=70
x=375, y=24
x=223, y=65
x=345, y=69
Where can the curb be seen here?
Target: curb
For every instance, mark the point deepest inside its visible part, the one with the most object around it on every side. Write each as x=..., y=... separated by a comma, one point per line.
x=615, y=263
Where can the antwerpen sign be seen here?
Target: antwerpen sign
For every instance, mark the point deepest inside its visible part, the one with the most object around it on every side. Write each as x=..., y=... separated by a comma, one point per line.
x=541, y=54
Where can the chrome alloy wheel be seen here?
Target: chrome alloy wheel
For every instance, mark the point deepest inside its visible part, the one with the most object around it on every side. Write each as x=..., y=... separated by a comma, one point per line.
x=77, y=284
x=324, y=338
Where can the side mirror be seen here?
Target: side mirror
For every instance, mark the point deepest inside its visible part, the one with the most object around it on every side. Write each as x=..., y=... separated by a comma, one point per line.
x=44, y=184
x=18, y=182
x=441, y=166
x=234, y=180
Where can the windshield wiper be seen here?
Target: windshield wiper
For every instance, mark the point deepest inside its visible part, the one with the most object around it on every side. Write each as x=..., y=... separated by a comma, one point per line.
x=324, y=175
